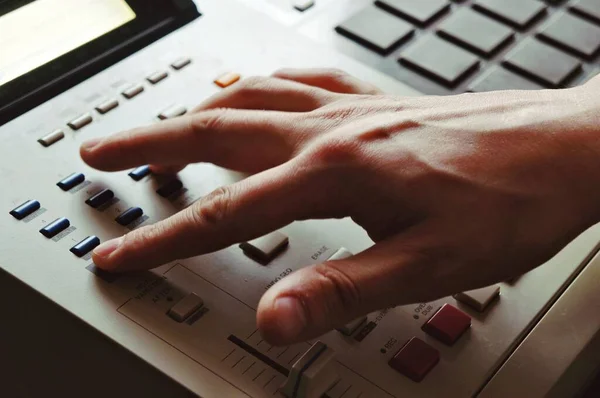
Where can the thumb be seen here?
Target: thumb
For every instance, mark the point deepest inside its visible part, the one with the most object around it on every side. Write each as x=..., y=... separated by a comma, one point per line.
x=316, y=299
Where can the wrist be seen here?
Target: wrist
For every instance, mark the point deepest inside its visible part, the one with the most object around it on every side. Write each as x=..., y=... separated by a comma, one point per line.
x=582, y=138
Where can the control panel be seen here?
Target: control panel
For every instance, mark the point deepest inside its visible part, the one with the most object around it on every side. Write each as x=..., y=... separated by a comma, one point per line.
x=194, y=319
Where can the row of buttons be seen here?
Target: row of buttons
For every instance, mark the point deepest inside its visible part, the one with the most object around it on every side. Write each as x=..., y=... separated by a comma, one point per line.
x=55, y=227
x=416, y=358
x=129, y=92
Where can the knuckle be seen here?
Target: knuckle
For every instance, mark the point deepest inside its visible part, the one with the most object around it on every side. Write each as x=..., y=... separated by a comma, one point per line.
x=334, y=279
x=252, y=85
x=213, y=209
x=209, y=121
x=338, y=112
x=335, y=75
x=283, y=72
x=339, y=150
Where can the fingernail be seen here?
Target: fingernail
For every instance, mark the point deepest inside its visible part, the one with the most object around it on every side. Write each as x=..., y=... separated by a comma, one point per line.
x=291, y=317
x=107, y=248
x=90, y=144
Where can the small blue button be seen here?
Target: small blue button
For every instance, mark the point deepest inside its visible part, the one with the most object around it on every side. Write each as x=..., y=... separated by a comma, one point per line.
x=100, y=198
x=25, y=209
x=55, y=227
x=71, y=181
x=85, y=246
x=169, y=188
x=139, y=173
x=129, y=215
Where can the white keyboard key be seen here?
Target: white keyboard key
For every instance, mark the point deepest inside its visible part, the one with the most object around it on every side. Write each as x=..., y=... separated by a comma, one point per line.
x=173, y=111
x=265, y=248
x=52, y=138
x=479, y=298
x=107, y=106
x=303, y=5
x=341, y=254
x=80, y=121
x=132, y=91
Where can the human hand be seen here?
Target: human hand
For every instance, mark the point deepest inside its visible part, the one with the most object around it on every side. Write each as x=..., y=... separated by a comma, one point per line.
x=457, y=192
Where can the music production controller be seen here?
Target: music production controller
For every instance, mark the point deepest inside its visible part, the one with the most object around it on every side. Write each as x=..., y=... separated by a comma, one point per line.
x=194, y=319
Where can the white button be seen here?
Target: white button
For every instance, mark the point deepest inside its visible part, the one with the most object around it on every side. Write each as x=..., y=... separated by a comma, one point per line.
x=351, y=327
x=157, y=77
x=80, y=121
x=132, y=91
x=340, y=254
x=313, y=374
x=52, y=138
x=303, y=5
x=107, y=106
x=181, y=63
x=185, y=307
x=173, y=111
x=479, y=298
x=265, y=248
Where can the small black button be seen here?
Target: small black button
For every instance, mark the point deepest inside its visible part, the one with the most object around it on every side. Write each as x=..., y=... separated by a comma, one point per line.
x=169, y=188
x=129, y=215
x=100, y=198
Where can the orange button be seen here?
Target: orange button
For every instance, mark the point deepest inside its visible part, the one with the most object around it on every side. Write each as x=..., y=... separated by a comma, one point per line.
x=227, y=79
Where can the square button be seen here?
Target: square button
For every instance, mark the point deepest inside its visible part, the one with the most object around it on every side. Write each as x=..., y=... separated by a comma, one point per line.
x=543, y=63
x=474, y=31
x=447, y=324
x=439, y=59
x=573, y=34
x=415, y=359
x=376, y=30
x=479, y=299
x=518, y=13
x=498, y=78
x=421, y=12
x=587, y=8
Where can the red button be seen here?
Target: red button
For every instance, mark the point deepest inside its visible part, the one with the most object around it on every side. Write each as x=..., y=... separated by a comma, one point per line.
x=415, y=359
x=448, y=324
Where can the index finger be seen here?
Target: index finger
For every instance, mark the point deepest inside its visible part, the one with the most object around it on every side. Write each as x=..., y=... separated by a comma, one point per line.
x=225, y=137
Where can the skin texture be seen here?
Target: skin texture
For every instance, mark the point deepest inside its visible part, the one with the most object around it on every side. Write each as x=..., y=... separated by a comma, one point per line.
x=457, y=192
